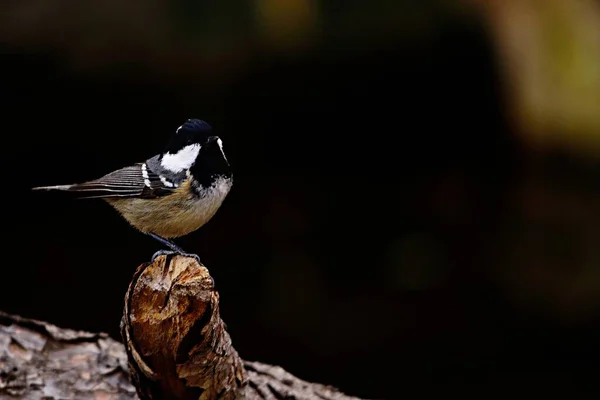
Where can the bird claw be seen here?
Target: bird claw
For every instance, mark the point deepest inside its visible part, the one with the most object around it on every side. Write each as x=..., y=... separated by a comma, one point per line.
x=162, y=253
x=191, y=255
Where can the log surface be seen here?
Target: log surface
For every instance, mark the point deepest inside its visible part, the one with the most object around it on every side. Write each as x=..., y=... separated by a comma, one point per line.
x=41, y=361
x=176, y=347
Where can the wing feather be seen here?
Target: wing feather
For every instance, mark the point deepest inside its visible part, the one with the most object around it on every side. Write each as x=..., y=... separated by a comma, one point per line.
x=130, y=181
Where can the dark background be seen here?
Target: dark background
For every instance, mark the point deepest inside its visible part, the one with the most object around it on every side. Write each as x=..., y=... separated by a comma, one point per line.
x=392, y=230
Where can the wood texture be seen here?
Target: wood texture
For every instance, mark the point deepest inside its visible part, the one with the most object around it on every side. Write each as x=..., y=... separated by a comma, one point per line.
x=174, y=336
x=41, y=361
x=176, y=347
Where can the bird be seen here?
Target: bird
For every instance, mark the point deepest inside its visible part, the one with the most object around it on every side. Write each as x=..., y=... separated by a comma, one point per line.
x=171, y=194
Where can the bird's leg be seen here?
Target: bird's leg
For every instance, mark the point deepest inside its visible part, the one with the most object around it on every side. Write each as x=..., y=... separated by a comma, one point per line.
x=174, y=248
x=167, y=242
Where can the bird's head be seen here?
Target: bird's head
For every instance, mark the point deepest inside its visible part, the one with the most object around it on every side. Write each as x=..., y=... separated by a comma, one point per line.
x=194, y=147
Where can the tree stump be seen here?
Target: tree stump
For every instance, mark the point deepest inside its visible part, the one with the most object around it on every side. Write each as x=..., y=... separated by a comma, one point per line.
x=176, y=347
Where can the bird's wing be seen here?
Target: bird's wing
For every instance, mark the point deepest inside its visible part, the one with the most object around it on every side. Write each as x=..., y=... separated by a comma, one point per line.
x=134, y=181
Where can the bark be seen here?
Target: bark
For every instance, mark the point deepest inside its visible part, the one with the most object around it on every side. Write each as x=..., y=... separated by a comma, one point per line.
x=176, y=347
x=41, y=361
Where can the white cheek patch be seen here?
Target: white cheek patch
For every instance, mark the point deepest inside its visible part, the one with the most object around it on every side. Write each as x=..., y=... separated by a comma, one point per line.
x=181, y=160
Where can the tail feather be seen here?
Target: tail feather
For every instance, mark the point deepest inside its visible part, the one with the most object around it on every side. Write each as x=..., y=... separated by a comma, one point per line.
x=96, y=190
x=57, y=187
x=75, y=188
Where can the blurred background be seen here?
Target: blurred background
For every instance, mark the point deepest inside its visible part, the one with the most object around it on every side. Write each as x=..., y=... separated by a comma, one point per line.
x=416, y=198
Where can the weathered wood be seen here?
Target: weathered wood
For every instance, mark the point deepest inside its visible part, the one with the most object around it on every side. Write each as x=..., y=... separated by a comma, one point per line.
x=175, y=339
x=176, y=346
x=41, y=361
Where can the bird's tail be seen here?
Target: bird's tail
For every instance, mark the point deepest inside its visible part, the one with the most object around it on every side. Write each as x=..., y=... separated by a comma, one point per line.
x=124, y=182
x=78, y=190
x=57, y=187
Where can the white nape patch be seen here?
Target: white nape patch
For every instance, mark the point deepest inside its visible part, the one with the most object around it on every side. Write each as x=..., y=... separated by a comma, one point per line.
x=220, y=143
x=145, y=175
x=165, y=181
x=181, y=160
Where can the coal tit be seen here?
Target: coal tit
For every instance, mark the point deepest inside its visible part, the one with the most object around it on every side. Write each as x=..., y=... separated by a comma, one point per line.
x=171, y=194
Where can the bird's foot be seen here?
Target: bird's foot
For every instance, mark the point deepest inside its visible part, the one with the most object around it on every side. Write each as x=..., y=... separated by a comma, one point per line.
x=174, y=253
x=191, y=255
x=162, y=253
